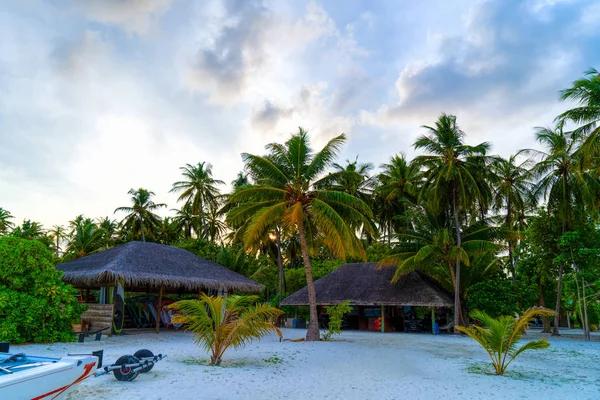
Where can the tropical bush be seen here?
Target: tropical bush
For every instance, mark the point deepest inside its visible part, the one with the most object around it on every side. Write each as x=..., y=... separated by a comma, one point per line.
x=35, y=304
x=219, y=323
x=500, y=336
x=336, y=315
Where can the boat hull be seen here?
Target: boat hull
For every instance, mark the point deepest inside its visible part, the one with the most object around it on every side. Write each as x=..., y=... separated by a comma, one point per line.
x=42, y=378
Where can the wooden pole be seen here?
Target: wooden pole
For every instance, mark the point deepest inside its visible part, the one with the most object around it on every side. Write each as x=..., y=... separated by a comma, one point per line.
x=382, y=318
x=432, y=319
x=160, y=296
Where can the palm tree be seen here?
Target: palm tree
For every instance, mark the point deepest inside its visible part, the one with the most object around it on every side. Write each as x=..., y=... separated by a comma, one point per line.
x=84, y=238
x=450, y=177
x=5, y=223
x=30, y=230
x=218, y=323
x=397, y=190
x=57, y=233
x=586, y=92
x=284, y=195
x=199, y=190
x=353, y=178
x=109, y=229
x=428, y=243
x=564, y=183
x=499, y=336
x=140, y=213
x=513, y=194
x=240, y=180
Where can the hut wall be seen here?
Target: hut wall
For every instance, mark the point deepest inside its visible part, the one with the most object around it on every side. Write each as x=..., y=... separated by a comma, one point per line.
x=99, y=316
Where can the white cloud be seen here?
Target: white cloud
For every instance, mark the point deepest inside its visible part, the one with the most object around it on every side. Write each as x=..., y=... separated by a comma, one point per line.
x=134, y=16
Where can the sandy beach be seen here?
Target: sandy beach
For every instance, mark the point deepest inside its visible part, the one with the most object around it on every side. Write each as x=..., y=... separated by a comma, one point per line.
x=357, y=365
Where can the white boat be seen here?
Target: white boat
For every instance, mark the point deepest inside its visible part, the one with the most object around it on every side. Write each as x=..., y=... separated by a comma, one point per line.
x=42, y=378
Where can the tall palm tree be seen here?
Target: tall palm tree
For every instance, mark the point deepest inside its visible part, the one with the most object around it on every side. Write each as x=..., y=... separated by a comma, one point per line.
x=57, y=234
x=285, y=195
x=141, y=214
x=586, y=92
x=450, y=178
x=29, y=229
x=564, y=182
x=428, y=243
x=5, y=221
x=398, y=189
x=199, y=190
x=513, y=194
x=353, y=178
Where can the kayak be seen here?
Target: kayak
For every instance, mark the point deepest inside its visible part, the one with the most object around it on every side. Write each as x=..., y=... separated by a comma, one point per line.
x=42, y=378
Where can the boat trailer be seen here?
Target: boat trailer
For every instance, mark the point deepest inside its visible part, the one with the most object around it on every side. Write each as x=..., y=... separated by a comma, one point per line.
x=127, y=367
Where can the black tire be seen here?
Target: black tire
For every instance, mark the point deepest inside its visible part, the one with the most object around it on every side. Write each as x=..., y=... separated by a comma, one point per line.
x=143, y=353
x=126, y=374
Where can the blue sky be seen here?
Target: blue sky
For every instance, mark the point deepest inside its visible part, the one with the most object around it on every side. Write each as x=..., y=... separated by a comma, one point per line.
x=100, y=96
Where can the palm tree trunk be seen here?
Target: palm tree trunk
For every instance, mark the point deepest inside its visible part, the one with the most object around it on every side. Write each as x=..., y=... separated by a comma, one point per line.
x=204, y=232
x=457, y=313
x=313, y=333
x=142, y=227
x=559, y=289
x=279, y=264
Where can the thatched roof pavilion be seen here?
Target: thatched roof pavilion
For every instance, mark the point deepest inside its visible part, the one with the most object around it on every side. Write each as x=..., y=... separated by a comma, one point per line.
x=144, y=266
x=364, y=284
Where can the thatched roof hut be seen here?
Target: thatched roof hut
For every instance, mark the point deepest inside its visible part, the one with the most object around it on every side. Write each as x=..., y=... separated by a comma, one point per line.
x=364, y=284
x=144, y=266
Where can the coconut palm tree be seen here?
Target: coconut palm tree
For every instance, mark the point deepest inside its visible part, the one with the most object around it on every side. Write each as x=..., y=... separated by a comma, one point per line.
x=451, y=178
x=198, y=190
x=397, y=191
x=353, y=178
x=284, y=195
x=219, y=323
x=109, y=229
x=57, y=234
x=429, y=244
x=586, y=92
x=564, y=182
x=84, y=238
x=141, y=217
x=5, y=223
x=30, y=230
x=513, y=195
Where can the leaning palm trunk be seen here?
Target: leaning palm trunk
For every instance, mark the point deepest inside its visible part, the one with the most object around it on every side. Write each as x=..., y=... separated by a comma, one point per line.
x=313, y=333
x=499, y=336
x=219, y=323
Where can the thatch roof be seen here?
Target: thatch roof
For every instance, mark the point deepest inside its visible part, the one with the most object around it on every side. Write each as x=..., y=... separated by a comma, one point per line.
x=364, y=284
x=143, y=265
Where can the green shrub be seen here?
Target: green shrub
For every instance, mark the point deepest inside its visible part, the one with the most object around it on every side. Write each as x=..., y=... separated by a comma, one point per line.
x=35, y=304
x=336, y=316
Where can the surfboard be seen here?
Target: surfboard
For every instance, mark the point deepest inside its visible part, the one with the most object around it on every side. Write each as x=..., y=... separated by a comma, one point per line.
x=119, y=302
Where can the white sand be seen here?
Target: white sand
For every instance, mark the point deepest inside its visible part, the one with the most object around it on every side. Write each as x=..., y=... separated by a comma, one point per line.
x=358, y=365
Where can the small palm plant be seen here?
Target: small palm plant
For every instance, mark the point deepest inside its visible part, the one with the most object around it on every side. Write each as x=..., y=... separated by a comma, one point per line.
x=219, y=323
x=499, y=336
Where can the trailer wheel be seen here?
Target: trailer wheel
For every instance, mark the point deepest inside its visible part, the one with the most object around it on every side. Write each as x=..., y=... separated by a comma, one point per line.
x=126, y=374
x=143, y=353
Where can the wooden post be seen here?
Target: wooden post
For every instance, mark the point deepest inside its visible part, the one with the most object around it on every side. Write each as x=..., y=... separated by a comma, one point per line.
x=432, y=319
x=382, y=318
x=160, y=296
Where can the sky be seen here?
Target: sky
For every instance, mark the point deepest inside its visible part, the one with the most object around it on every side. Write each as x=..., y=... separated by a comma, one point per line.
x=101, y=96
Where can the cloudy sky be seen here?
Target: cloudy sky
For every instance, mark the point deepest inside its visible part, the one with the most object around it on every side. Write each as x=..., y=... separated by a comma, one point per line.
x=100, y=96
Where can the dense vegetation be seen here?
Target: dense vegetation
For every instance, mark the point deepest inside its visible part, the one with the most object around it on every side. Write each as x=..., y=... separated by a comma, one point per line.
x=35, y=304
x=503, y=234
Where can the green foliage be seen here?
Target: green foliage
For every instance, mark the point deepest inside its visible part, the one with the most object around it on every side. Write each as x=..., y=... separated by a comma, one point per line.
x=296, y=277
x=336, y=315
x=495, y=297
x=500, y=336
x=35, y=304
x=219, y=323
